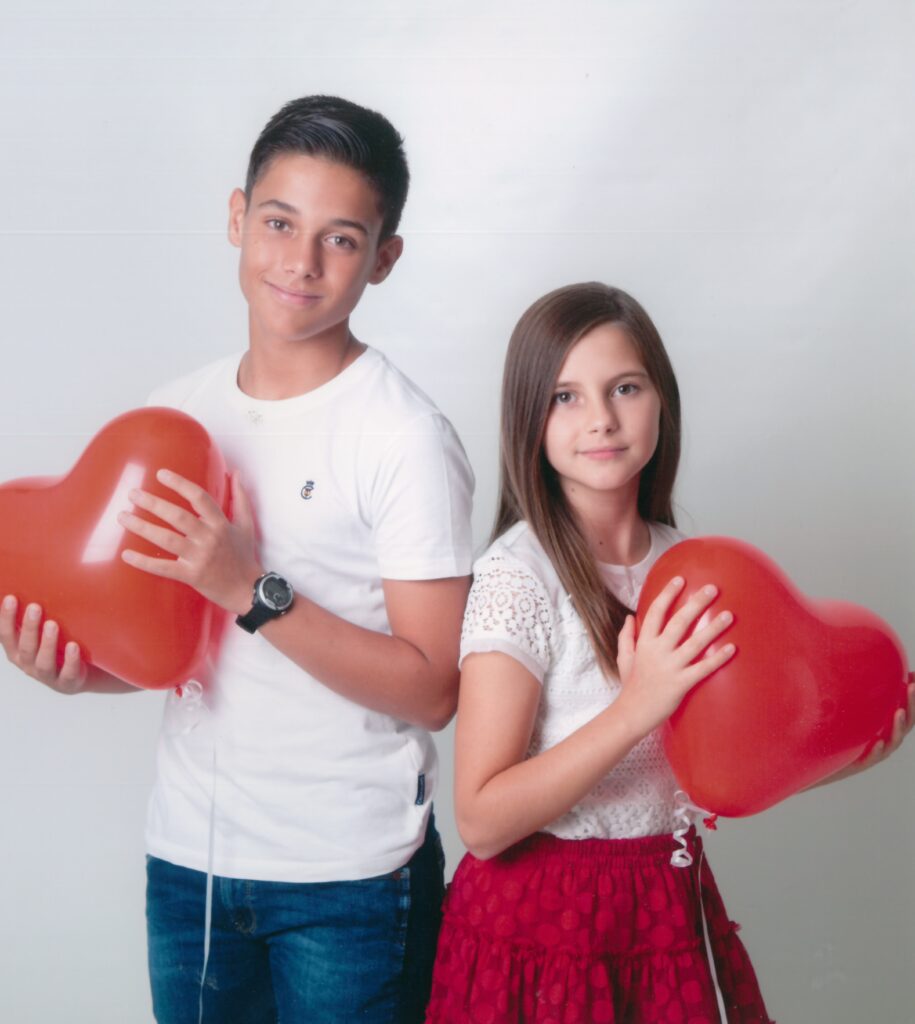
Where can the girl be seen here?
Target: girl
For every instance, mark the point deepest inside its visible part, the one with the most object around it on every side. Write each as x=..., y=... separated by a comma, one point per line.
x=568, y=909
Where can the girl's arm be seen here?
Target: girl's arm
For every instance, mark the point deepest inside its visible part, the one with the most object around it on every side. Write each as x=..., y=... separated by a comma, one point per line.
x=903, y=720
x=500, y=797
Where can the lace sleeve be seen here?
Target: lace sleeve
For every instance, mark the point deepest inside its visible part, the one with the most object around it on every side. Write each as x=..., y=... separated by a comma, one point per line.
x=508, y=610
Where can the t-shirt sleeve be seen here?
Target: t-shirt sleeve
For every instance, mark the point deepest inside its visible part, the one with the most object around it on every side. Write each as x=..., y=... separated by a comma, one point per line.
x=421, y=502
x=509, y=611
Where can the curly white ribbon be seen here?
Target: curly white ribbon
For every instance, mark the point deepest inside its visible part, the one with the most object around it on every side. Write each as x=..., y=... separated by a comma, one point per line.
x=683, y=814
x=682, y=858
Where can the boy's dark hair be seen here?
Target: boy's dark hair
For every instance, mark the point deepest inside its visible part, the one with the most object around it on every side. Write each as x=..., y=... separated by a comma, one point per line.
x=344, y=132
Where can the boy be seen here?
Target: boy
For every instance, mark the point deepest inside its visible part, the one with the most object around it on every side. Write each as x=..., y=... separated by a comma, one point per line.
x=304, y=784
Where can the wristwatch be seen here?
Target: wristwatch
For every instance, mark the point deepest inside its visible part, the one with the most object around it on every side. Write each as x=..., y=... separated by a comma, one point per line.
x=273, y=597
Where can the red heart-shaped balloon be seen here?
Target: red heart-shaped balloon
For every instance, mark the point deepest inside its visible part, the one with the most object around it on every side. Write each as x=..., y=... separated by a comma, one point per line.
x=61, y=544
x=812, y=686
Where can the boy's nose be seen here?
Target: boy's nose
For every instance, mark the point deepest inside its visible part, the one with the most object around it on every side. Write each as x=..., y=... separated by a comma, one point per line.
x=304, y=261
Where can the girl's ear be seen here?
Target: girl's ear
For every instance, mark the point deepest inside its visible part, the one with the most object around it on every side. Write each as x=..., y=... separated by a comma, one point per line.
x=388, y=254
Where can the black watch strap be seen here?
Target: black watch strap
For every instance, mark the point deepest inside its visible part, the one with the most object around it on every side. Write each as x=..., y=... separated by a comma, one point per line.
x=273, y=597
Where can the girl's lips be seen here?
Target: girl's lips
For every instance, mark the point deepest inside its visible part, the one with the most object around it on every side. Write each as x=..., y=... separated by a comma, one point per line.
x=602, y=453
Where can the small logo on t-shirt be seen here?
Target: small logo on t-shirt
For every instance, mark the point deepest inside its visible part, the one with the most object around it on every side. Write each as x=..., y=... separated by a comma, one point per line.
x=308, y=490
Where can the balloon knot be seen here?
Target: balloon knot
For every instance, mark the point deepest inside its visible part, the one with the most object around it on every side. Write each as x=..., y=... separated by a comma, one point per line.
x=711, y=822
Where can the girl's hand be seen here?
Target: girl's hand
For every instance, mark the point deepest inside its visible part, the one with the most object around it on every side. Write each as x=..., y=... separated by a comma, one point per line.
x=33, y=649
x=659, y=668
x=903, y=720
x=213, y=555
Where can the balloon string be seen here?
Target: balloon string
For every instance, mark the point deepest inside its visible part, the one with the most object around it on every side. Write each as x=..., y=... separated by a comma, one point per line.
x=208, y=908
x=710, y=956
x=683, y=812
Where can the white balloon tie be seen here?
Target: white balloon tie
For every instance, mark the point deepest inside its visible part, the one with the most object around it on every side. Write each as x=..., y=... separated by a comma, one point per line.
x=684, y=811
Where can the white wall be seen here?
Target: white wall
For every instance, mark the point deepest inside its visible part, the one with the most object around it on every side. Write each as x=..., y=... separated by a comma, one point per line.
x=744, y=169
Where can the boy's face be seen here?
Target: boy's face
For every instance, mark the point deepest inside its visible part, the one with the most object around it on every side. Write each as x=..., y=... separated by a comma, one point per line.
x=309, y=240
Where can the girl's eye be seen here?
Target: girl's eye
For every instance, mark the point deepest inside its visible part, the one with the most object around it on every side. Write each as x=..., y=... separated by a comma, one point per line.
x=627, y=389
x=563, y=397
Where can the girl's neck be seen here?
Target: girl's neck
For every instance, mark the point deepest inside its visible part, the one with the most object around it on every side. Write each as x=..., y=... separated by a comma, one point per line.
x=611, y=525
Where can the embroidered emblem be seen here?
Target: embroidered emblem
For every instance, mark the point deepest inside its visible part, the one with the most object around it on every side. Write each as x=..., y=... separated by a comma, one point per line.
x=255, y=416
x=308, y=490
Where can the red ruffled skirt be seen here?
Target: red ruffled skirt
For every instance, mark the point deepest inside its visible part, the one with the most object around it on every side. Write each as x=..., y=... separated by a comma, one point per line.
x=558, y=931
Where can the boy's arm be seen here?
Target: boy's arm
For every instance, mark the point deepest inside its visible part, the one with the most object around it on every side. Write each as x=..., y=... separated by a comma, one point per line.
x=411, y=674
x=33, y=649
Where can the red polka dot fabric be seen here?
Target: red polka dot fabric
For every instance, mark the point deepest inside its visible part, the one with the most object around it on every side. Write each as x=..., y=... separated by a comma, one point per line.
x=592, y=931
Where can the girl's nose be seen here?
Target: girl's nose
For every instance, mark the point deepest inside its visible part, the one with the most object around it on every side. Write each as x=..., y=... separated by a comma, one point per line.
x=603, y=418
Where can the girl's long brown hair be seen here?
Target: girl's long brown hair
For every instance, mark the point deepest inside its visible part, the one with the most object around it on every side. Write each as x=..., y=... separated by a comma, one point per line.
x=529, y=488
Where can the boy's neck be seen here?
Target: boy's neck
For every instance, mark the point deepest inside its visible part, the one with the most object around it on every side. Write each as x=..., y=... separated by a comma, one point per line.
x=273, y=371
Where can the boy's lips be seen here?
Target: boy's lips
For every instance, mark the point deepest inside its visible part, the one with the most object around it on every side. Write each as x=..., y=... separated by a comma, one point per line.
x=293, y=297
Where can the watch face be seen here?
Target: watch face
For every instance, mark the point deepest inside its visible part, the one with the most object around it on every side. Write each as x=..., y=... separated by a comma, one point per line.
x=276, y=593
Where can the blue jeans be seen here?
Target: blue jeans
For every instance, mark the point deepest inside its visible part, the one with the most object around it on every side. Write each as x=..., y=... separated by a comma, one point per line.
x=321, y=952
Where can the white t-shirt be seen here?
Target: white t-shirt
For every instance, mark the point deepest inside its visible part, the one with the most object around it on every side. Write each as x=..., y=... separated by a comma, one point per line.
x=357, y=481
x=518, y=606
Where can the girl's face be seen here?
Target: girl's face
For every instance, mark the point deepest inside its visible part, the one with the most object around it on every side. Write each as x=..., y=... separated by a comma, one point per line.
x=602, y=428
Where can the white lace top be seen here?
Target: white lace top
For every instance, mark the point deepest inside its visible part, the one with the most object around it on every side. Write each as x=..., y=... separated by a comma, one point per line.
x=518, y=606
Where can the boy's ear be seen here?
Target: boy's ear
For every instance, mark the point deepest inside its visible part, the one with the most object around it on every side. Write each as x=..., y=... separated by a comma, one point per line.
x=237, y=206
x=388, y=254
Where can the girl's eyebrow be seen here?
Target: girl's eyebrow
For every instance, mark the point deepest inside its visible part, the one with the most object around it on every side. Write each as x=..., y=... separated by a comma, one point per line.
x=626, y=373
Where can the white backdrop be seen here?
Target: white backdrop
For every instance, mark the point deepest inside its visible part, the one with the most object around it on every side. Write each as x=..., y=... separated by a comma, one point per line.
x=744, y=169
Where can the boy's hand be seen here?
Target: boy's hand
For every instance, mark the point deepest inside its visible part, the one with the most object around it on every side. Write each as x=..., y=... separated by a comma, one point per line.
x=213, y=555
x=34, y=649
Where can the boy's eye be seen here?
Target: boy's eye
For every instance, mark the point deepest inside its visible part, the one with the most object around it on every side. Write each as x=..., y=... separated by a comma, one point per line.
x=341, y=241
x=277, y=224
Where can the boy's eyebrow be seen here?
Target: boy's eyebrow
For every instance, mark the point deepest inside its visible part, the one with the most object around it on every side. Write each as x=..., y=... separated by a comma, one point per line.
x=337, y=222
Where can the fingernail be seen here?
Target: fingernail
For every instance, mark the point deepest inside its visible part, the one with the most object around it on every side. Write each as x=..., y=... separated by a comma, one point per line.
x=50, y=628
x=33, y=612
x=729, y=648
x=72, y=649
x=678, y=581
x=710, y=591
x=726, y=617
x=9, y=603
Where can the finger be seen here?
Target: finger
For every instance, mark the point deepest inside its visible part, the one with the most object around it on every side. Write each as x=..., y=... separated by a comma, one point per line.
x=899, y=729
x=660, y=606
x=242, y=513
x=46, y=657
x=704, y=667
x=693, y=646
x=183, y=521
x=873, y=756
x=167, y=540
x=28, y=635
x=625, y=647
x=8, y=625
x=681, y=622
x=73, y=669
x=195, y=495
x=169, y=568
